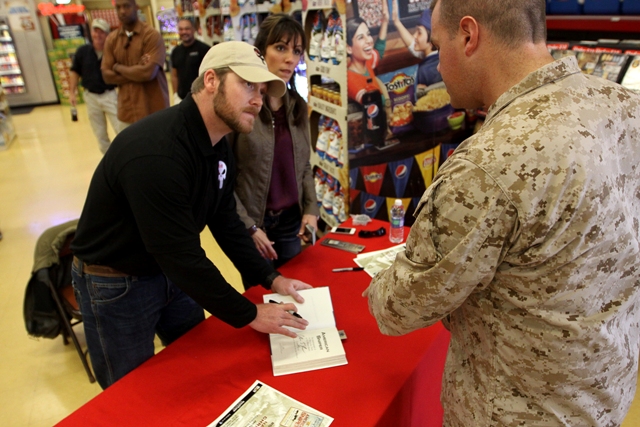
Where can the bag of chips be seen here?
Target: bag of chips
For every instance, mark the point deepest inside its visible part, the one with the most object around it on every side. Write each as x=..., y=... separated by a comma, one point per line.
x=401, y=86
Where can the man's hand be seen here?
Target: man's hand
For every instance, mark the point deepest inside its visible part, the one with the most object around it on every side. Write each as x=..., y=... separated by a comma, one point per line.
x=145, y=59
x=264, y=245
x=272, y=317
x=285, y=286
x=366, y=295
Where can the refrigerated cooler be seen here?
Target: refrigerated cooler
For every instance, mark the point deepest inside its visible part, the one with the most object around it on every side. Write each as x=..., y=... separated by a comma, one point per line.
x=25, y=75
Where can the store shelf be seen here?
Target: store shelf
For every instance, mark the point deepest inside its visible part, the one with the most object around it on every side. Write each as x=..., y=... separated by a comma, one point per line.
x=332, y=110
x=328, y=166
x=620, y=24
x=326, y=69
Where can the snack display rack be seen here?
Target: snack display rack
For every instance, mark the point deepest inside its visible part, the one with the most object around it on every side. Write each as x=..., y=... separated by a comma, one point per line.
x=327, y=80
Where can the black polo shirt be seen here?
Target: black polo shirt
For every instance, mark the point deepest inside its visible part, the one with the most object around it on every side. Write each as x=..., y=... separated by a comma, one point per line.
x=154, y=191
x=87, y=65
x=186, y=61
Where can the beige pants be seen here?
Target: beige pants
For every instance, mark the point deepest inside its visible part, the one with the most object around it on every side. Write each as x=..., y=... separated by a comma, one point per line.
x=99, y=108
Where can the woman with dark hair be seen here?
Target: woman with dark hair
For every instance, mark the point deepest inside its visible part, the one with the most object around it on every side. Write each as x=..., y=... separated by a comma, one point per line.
x=365, y=55
x=275, y=192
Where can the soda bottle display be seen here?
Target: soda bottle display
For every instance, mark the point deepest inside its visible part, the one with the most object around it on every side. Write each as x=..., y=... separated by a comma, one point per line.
x=396, y=228
x=374, y=116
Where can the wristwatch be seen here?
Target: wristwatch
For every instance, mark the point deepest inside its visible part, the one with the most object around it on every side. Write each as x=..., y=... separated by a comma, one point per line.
x=252, y=230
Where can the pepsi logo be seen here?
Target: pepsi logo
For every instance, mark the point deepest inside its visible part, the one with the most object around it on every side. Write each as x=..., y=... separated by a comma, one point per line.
x=372, y=110
x=370, y=205
x=401, y=171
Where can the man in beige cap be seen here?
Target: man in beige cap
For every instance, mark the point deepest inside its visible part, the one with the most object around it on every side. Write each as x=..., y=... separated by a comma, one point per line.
x=101, y=98
x=162, y=181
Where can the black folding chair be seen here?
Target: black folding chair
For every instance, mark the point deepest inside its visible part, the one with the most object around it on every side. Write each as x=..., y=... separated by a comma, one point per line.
x=47, y=314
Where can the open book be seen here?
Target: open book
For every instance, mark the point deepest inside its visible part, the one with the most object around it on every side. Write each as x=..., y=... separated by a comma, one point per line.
x=262, y=405
x=317, y=347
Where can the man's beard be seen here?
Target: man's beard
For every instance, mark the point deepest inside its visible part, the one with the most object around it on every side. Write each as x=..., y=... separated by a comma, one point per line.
x=224, y=110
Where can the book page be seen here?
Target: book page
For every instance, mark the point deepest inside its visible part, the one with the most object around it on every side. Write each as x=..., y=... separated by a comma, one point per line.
x=262, y=405
x=309, y=345
x=317, y=308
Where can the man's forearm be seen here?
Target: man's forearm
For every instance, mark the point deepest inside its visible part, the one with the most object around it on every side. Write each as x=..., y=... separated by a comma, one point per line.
x=136, y=73
x=113, y=78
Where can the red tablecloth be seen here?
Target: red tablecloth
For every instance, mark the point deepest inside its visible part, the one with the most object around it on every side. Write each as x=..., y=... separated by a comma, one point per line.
x=389, y=381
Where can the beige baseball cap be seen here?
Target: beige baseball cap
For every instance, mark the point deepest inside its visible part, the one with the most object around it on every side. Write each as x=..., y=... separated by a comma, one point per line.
x=244, y=60
x=101, y=24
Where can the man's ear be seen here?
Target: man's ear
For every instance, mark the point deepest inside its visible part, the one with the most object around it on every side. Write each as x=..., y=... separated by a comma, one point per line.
x=470, y=30
x=211, y=81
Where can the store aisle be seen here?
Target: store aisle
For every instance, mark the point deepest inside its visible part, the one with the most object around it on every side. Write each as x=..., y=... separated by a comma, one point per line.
x=44, y=177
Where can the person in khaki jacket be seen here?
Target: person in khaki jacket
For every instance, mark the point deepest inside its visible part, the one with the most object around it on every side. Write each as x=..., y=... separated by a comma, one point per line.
x=526, y=244
x=275, y=192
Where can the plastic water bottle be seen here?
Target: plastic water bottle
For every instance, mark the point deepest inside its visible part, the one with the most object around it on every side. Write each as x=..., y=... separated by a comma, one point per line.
x=396, y=229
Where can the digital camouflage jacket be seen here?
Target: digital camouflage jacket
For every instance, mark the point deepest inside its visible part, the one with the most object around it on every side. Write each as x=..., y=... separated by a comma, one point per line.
x=526, y=247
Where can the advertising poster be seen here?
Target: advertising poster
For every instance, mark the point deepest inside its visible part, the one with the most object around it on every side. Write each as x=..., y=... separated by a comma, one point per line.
x=398, y=109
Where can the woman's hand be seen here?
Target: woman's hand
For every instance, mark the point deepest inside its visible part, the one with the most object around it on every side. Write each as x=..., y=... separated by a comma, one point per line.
x=264, y=245
x=312, y=220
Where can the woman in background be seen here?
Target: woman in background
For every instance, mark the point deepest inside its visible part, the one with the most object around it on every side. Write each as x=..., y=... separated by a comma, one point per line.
x=275, y=191
x=365, y=55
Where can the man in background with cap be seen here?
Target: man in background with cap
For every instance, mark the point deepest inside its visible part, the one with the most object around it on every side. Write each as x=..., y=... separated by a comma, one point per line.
x=140, y=268
x=186, y=59
x=420, y=46
x=134, y=57
x=101, y=98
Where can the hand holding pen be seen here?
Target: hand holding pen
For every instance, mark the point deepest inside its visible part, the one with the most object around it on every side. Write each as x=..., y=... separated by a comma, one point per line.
x=272, y=319
x=291, y=312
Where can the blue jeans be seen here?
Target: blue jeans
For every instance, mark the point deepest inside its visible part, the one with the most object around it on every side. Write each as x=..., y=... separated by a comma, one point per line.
x=121, y=315
x=283, y=230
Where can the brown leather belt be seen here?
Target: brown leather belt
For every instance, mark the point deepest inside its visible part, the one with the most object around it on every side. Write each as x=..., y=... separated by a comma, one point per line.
x=99, y=270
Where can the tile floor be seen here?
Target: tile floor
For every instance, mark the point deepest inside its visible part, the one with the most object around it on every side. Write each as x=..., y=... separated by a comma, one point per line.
x=44, y=175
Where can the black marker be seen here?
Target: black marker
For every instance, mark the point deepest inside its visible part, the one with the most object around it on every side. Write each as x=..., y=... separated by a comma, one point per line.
x=338, y=270
x=291, y=312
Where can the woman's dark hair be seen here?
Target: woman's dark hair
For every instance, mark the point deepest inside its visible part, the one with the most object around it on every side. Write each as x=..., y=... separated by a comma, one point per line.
x=282, y=27
x=352, y=26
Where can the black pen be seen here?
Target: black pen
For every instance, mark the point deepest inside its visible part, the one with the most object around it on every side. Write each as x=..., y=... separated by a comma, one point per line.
x=293, y=313
x=338, y=270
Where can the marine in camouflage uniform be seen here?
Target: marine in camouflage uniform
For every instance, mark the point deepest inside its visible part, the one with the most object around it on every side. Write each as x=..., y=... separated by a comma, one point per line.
x=526, y=247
